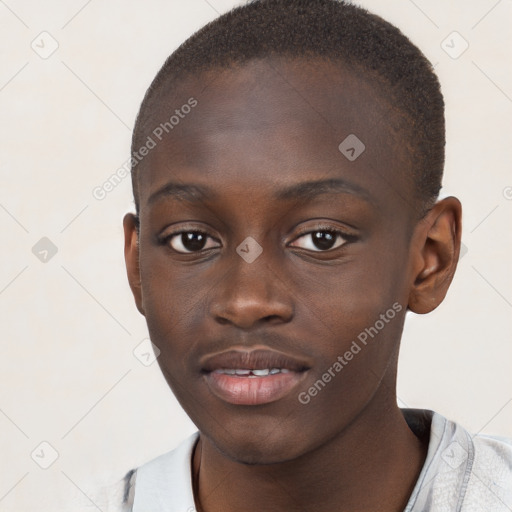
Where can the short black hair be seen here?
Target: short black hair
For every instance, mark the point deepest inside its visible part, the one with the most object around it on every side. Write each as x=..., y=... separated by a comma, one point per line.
x=333, y=29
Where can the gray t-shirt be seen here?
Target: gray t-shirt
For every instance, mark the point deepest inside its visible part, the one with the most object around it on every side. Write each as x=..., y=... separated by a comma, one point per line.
x=462, y=473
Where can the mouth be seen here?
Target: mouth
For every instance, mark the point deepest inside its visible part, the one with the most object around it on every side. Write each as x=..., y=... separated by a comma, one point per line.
x=254, y=377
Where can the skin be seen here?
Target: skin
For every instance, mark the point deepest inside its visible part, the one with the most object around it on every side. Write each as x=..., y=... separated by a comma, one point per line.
x=256, y=129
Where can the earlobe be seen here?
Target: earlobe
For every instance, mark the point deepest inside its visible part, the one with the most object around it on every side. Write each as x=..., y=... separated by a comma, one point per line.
x=131, y=256
x=434, y=255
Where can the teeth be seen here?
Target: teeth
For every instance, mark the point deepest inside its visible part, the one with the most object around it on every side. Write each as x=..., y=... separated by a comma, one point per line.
x=244, y=372
x=261, y=373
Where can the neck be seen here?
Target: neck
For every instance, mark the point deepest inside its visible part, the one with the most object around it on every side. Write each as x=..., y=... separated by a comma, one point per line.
x=373, y=464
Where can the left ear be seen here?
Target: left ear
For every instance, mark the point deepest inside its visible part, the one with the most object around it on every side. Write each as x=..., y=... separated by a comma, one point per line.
x=435, y=249
x=131, y=256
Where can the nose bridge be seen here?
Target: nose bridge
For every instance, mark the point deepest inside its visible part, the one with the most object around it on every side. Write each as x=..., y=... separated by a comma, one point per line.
x=252, y=268
x=252, y=289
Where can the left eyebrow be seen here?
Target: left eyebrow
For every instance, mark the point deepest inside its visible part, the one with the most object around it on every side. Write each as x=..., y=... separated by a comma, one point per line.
x=311, y=189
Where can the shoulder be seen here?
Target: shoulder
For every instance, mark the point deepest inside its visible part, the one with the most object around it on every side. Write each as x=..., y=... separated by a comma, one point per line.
x=463, y=472
x=489, y=484
x=163, y=483
x=115, y=496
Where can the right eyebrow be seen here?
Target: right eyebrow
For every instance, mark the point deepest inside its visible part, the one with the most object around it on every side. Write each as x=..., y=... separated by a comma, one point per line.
x=182, y=192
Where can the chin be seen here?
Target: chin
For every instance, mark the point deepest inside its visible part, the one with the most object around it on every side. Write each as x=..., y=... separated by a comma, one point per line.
x=258, y=446
x=253, y=455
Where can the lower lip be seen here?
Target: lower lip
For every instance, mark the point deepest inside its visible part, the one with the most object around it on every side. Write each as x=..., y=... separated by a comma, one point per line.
x=252, y=390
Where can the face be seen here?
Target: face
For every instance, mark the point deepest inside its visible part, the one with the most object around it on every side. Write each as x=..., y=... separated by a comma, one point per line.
x=263, y=247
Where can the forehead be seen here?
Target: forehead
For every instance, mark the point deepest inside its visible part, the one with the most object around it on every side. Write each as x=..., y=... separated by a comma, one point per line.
x=275, y=121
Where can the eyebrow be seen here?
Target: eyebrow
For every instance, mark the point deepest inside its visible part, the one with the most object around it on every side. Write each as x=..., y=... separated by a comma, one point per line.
x=182, y=192
x=304, y=190
x=311, y=189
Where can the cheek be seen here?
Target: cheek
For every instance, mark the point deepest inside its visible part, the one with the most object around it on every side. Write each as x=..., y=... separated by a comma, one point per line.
x=342, y=300
x=175, y=305
x=354, y=316
x=355, y=338
x=354, y=331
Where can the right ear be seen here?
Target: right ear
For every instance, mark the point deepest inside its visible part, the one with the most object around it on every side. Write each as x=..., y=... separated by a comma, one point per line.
x=131, y=257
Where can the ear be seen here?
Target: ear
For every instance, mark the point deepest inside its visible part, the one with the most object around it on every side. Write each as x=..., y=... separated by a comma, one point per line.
x=131, y=257
x=435, y=254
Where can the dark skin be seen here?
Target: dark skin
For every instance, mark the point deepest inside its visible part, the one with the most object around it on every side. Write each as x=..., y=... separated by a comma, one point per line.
x=258, y=129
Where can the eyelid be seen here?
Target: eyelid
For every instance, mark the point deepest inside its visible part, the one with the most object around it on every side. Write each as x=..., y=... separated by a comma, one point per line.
x=344, y=234
x=321, y=226
x=168, y=238
x=184, y=228
x=167, y=235
x=324, y=226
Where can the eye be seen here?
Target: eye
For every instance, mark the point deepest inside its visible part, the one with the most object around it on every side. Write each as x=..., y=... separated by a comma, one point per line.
x=187, y=242
x=321, y=240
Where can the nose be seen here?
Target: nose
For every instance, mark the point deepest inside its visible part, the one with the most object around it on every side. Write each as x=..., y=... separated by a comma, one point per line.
x=252, y=294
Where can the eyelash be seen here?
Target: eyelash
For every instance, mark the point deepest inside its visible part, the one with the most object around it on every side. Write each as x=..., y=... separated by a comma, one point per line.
x=348, y=238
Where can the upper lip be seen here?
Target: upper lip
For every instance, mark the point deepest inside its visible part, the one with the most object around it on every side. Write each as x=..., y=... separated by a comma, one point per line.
x=255, y=359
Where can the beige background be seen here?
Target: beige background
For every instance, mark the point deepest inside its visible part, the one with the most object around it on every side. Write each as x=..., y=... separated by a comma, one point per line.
x=69, y=325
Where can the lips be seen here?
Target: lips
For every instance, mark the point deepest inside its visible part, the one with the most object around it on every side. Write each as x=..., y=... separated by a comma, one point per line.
x=254, y=377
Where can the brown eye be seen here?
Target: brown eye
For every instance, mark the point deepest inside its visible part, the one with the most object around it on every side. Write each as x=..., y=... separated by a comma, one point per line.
x=321, y=240
x=187, y=242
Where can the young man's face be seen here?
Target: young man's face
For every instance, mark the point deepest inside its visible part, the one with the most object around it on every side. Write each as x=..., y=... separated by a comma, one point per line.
x=334, y=266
